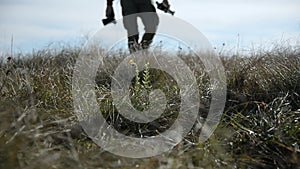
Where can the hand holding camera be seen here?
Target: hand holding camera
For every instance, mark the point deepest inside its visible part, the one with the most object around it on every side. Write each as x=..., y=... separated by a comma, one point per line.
x=165, y=6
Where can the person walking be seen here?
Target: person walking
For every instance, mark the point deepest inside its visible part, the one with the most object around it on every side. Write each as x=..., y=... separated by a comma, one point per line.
x=131, y=10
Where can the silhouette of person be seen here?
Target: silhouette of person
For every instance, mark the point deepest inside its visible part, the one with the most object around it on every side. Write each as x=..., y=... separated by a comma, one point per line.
x=131, y=10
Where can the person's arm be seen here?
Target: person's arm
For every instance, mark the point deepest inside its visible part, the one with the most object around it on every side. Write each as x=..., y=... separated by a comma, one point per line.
x=109, y=2
x=109, y=9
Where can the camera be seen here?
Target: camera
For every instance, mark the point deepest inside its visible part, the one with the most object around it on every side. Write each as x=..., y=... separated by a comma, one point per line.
x=108, y=21
x=162, y=6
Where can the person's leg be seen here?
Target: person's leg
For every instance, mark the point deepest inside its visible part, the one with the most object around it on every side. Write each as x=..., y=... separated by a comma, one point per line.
x=150, y=20
x=129, y=12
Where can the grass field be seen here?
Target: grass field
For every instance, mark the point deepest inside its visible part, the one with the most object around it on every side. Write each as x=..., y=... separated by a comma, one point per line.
x=260, y=127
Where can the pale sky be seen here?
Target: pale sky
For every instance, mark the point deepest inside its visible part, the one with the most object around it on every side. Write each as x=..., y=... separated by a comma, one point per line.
x=37, y=23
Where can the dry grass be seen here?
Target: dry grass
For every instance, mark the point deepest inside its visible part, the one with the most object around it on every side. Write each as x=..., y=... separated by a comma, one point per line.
x=260, y=127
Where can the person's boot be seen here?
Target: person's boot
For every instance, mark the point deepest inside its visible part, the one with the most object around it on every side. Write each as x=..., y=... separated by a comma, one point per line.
x=133, y=45
x=147, y=40
x=145, y=44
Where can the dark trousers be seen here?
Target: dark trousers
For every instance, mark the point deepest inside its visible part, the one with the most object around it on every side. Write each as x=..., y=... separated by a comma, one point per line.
x=144, y=9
